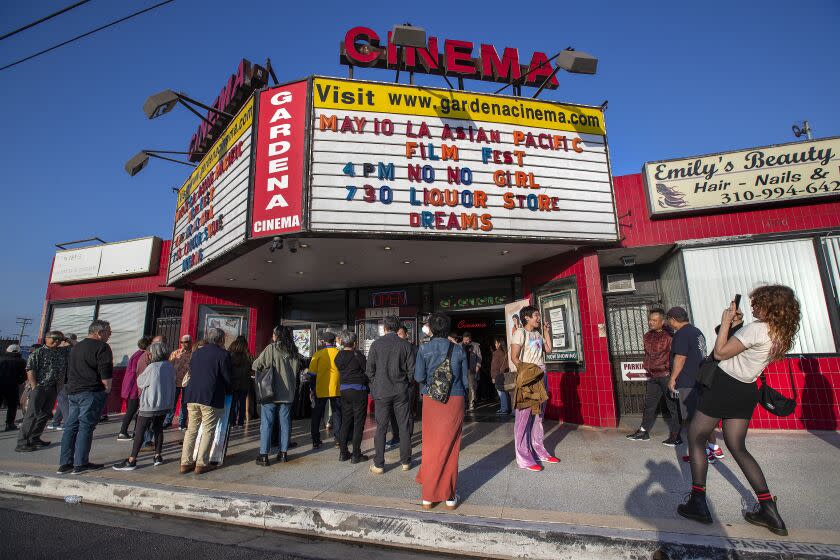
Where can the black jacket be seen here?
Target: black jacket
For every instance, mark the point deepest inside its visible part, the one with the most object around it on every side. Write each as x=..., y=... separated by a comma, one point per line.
x=13, y=369
x=390, y=366
x=210, y=376
x=351, y=367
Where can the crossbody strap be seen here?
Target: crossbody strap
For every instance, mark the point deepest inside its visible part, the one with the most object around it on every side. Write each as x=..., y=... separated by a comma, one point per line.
x=763, y=377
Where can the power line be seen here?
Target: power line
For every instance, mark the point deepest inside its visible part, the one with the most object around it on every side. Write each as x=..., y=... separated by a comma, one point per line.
x=43, y=19
x=83, y=35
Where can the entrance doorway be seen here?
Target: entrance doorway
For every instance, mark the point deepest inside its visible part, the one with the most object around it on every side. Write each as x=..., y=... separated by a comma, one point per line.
x=484, y=325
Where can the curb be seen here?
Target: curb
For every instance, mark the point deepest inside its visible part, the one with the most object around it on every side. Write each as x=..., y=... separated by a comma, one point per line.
x=453, y=534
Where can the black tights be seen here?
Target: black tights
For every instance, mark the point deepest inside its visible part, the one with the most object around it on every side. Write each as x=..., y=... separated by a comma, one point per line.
x=735, y=435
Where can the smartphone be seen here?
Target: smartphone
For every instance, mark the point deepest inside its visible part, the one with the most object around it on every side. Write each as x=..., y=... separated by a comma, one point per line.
x=737, y=301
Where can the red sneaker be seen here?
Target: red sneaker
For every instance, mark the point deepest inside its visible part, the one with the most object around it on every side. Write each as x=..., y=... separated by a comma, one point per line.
x=551, y=459
x=719, y=453
x=533, y=468
x=710, y=456
x=686, y=458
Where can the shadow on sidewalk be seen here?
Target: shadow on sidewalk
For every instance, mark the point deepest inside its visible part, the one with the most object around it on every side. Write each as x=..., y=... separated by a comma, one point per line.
x=476, y=475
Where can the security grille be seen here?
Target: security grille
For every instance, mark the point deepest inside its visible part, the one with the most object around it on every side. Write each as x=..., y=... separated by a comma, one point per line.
x=170, y=328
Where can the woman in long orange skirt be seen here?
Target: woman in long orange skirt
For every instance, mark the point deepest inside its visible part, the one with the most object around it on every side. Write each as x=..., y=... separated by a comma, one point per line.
x=442, y=421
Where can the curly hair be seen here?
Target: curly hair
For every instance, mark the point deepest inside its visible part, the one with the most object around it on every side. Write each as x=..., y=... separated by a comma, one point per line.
x=781, y=313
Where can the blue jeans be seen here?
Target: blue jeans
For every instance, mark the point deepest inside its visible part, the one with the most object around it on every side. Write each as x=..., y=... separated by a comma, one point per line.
x=504, y=401
x=83, y=415
x=182, y=415
x=62, y=411
x=268, y=421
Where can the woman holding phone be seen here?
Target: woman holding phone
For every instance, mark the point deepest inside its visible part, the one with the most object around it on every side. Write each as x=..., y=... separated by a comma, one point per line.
x=734, y=394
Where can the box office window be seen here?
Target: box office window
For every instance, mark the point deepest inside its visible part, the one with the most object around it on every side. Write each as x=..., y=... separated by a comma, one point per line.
x=127, y=319
x=72, y=318
x=232, y=320
x=715, y=274
x=329, y=307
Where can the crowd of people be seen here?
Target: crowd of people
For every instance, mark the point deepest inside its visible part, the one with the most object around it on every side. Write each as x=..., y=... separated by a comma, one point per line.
x=74, y=379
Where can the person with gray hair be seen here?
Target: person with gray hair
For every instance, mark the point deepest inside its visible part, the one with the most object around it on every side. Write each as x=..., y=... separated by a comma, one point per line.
x=89, y=372
x=157, y=395
x=210, y=379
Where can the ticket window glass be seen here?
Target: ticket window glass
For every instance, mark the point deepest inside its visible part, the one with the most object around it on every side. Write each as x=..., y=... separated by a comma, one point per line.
x=559, y=309
x=309, y=337
x=371, y=328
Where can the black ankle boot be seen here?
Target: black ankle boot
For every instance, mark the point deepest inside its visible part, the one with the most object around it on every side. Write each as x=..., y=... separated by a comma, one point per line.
x=695, y=508
x=766, y=514
x=283, y=457
x=262, y=460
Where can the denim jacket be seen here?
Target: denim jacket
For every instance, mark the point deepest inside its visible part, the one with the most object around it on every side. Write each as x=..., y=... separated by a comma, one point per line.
x=431, y=355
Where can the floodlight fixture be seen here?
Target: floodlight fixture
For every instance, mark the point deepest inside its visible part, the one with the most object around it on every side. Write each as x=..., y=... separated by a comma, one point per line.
x=577, y=62
x=406, y=35
x=164, y=101
x=140, y=160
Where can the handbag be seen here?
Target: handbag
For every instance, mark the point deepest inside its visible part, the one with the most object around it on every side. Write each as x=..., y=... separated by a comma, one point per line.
x=706, y=373
x=775, y=402
x=442, y=379
x=264, y=385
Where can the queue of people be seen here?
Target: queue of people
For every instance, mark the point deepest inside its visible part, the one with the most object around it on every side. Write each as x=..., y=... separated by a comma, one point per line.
x=443, y=369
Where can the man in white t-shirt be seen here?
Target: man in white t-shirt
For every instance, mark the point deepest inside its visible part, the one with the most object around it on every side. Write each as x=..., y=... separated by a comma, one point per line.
x=528, y=347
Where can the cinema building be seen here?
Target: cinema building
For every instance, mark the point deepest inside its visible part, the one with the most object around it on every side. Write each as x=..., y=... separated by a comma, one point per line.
x=329, y=203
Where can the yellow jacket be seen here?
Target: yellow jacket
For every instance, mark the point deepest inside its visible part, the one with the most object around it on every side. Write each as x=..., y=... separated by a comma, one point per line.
x=326, y=374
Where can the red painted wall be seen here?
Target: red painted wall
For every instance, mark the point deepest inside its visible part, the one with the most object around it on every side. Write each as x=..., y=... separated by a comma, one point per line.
x=586, y=397
x=630, y=196
x=817, y=379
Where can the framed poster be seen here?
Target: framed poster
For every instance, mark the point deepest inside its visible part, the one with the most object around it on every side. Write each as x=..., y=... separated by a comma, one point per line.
x=231, y=325
x=560, y=314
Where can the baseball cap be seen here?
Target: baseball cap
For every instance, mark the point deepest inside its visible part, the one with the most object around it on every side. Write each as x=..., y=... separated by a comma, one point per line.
x=13, y=348
x=678, y=314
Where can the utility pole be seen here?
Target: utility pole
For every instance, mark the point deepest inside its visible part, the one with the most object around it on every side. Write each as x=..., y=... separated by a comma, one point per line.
x=23, y=322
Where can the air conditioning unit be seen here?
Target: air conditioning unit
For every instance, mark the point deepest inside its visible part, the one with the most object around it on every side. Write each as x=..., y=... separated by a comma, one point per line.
x=618, y=283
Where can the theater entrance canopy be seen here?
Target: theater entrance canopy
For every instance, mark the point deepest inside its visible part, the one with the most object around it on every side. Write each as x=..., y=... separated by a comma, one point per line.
x=327, y=183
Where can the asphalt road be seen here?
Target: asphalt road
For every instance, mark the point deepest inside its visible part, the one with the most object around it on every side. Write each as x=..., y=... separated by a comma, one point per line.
x=34, y=528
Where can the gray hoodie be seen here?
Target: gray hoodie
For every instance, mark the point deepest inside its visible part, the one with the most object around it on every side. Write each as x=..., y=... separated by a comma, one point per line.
x=157, y=388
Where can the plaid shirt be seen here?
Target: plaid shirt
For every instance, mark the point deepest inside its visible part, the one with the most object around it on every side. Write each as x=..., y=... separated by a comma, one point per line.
x=180, y=358
x=49, y=365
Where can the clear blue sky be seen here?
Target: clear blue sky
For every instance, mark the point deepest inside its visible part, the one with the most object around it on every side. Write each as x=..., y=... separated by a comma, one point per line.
x=681, y=79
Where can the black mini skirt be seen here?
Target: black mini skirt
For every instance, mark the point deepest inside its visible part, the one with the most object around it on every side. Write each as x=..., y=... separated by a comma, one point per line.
x=728, y=397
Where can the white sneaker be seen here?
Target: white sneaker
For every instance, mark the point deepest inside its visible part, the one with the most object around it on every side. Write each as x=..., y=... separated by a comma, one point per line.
x=453, y=503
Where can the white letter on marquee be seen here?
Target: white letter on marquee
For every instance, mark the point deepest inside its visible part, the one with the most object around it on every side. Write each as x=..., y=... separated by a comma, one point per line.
x=276, y=200
x=280, y=129
x=281, y=98
x=280, y=114
x=275, y=183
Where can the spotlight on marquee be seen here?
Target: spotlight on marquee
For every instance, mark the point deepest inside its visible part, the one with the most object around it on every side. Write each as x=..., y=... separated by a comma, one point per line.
x=164, y=101
x=140, y=160
x=577, y=62
x=407, y=35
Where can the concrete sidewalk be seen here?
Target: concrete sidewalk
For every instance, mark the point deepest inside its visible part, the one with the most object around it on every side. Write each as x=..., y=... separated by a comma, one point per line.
x=608, y=498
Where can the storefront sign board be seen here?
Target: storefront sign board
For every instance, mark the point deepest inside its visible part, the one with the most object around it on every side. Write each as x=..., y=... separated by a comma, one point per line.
x=277, y=206
x=211, y=216
x=405, y=160
x=780, y=174
x=111, y=260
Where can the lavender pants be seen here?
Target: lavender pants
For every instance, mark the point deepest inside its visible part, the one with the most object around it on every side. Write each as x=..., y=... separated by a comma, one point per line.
x=528, y=437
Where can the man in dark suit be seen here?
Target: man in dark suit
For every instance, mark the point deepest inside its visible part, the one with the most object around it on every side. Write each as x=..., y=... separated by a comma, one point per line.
x=204, y=393
x=390, y=368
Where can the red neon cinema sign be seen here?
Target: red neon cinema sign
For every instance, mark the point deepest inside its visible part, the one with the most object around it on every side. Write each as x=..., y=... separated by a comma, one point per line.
x=278, y=173
x=361, y=47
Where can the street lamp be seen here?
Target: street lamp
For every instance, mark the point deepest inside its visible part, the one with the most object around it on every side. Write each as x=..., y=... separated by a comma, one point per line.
x=164, y=101
x=136, y=164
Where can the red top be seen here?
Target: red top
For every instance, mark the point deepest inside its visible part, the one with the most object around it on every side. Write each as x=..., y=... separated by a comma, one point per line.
x=657, y=353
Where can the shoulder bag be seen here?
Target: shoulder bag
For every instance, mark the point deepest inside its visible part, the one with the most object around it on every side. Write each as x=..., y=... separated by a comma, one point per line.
x=264, y=384
x=441, y=383
x=775, y=402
